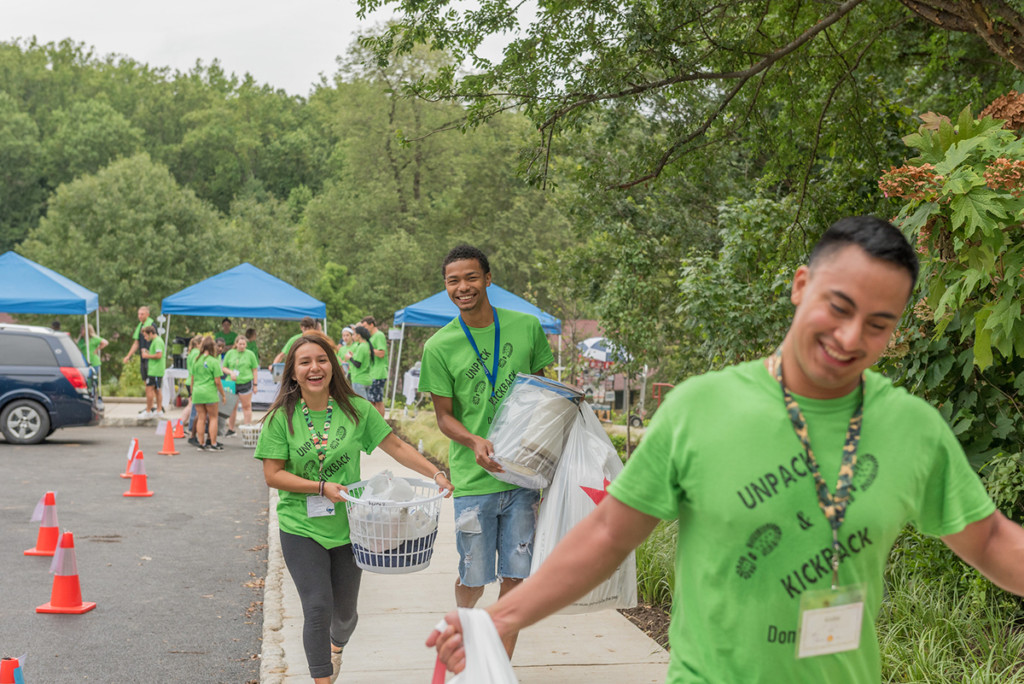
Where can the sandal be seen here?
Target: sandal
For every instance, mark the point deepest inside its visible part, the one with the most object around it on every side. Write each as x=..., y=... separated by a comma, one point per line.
x=336, y=662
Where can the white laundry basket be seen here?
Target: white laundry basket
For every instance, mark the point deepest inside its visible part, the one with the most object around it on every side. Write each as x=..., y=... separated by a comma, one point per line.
x=250, y=435
x=393, y=537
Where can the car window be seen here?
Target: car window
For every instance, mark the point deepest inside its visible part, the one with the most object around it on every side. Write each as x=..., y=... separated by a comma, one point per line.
x=25, y=350
x=68, y=353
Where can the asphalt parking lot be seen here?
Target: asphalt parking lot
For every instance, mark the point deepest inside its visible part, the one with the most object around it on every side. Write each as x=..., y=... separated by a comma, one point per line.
x=177, y=577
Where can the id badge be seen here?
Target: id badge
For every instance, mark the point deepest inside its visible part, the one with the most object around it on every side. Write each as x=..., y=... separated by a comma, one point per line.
x=319, y=506
x=830, y=620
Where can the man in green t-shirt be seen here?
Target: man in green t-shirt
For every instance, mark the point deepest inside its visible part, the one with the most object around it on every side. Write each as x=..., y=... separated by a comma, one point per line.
x=153, y=353
x=139, y=342
x=779, y=577
x=305, y=325
x=226, y=334
x=468, y=367
x=379, y=370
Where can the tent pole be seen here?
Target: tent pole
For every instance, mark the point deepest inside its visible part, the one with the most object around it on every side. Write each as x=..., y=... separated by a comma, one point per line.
x=99, y=371
x=85, y=321
x=325, y=324
x=559, y=357
x=398, y=368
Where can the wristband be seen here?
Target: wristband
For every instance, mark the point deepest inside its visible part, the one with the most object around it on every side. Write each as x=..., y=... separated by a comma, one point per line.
x=321, y=488
x=439, y=472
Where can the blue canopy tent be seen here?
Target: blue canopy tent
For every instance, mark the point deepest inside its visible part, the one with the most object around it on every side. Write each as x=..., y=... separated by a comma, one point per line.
x=27, y=287
x=438, y=310
x=246, y=292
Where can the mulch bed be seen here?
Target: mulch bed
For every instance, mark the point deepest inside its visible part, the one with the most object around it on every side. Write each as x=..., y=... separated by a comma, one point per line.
x=652, y=620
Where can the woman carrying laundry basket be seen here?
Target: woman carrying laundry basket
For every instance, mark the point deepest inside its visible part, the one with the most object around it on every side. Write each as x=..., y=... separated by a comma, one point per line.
x=310, y=445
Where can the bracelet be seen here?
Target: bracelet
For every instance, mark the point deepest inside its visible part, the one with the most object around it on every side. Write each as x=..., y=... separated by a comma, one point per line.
x=321, y=488
x=439, y=472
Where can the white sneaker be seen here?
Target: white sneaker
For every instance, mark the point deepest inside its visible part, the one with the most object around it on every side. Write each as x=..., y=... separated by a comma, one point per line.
x=145, y=414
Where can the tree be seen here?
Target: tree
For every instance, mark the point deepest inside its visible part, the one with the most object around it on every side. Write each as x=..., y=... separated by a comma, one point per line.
x=22, y=194
x=86, y=137
x=130, y=233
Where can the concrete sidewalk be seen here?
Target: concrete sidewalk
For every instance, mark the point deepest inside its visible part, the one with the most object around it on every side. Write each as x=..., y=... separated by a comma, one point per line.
x=396, y=612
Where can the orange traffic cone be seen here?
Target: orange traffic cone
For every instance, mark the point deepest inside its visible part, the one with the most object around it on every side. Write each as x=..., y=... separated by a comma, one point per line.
x=66, y=597
x=46, y=511
x=10, y=671
x=138, y=486
x=169, y=449
x=179, y=430
x=133, y=448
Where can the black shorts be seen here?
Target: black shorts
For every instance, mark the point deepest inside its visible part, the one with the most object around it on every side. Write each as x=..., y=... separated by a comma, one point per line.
x=243, y=387
x=154, y=382
x=144, y=368
x=375, y=391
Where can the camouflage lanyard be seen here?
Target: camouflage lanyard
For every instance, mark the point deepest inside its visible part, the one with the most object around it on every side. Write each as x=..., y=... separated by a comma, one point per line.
x=832, y=505
x=319, y=441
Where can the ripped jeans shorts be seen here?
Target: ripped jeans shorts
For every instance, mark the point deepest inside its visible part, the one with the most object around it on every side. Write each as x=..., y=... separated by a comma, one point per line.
x=500, y=524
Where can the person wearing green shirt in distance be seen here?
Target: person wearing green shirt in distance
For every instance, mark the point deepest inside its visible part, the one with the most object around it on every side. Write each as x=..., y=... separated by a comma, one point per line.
x=96, y=343
x=226, y=334
x=154, y=355
x=344, y=347
x=468, y=367
x=188, y=414
x=311, y=443
x=780, y=574
x=241, y=365
x=379, y=370
x=360, y=362
x=206, y=387
x=306, y=325
x=139, y=342
x=250, y=336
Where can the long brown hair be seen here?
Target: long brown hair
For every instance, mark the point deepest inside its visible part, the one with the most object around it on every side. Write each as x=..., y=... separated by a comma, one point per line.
x=290, y=393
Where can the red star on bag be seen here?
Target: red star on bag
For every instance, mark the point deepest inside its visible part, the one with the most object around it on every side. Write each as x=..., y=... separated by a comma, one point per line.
x=596, y=495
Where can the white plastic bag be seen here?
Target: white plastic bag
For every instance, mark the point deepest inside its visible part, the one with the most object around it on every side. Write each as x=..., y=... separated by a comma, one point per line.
x=588, y=465
x=486, y=659
x=530, y=428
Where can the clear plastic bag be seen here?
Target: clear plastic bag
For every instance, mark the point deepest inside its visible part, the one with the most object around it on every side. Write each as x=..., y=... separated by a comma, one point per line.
x=530, y=428
x=588, y=465
x=486, y=659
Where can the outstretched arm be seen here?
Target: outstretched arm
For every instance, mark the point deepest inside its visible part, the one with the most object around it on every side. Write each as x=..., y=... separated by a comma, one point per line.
x=995, y=546
x=588, y=555
x=453, y=429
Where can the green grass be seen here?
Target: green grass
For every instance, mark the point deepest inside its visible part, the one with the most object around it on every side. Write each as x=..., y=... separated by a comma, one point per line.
x=655, y=565
x=423, y=426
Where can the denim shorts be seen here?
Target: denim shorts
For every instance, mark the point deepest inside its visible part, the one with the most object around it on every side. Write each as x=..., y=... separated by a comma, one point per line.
x=489, y=525
x=375, y=392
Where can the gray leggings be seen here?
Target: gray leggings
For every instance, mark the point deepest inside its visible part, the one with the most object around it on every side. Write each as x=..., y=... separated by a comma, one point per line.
x=327, y=581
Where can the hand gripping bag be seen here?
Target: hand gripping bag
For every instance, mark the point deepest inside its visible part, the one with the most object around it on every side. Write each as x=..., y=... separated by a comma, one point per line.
x=486, y=660
x=588, y=465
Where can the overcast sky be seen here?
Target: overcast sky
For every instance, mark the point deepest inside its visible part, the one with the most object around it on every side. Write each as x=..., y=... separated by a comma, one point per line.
x=287, y=44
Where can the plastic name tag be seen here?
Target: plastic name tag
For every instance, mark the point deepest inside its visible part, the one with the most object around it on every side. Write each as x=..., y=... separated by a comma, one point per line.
x=830, y=620
x=319, y=506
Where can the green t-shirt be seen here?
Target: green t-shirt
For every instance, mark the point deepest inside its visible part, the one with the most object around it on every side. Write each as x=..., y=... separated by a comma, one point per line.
x=290, y=342
x=722, y=457
x=243, y=362
x=205, y=370
x=379, y=370
x=251, y=346
x=228, y=337
x=190, y=360
x=450, y=368
x=360, y=367
x=347, y=441
x=155, y=367
x=93, y=357
x=137, y=335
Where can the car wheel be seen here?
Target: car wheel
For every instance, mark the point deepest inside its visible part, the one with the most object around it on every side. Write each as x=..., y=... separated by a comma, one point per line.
x=24, y=421
x=636, y=421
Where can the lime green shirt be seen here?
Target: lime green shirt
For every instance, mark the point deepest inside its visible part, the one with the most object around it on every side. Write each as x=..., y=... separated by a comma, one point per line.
x=361, y=374
x=155, y=367
x=450, y=368
x=93, y=357
x=137, y=335
x=722, y=458
x=228, y=337
x=193, y=354
x=205, y=370
x=347, y=441
x=379, y=370
x=288, y=345
x=243, y=362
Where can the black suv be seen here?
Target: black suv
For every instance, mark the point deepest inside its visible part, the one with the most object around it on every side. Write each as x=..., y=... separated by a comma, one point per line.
x=45, y=384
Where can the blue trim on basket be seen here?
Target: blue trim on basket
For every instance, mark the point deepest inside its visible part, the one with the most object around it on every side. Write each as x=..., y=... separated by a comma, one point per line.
x=410, y=553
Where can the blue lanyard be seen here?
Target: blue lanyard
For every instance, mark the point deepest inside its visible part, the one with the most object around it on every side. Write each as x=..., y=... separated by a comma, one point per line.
x=492, y=377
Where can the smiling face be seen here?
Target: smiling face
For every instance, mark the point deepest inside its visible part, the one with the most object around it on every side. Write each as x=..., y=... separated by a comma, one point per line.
x=312, y=371
x=241, y=343
x=466, y=284
x=847, y=307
